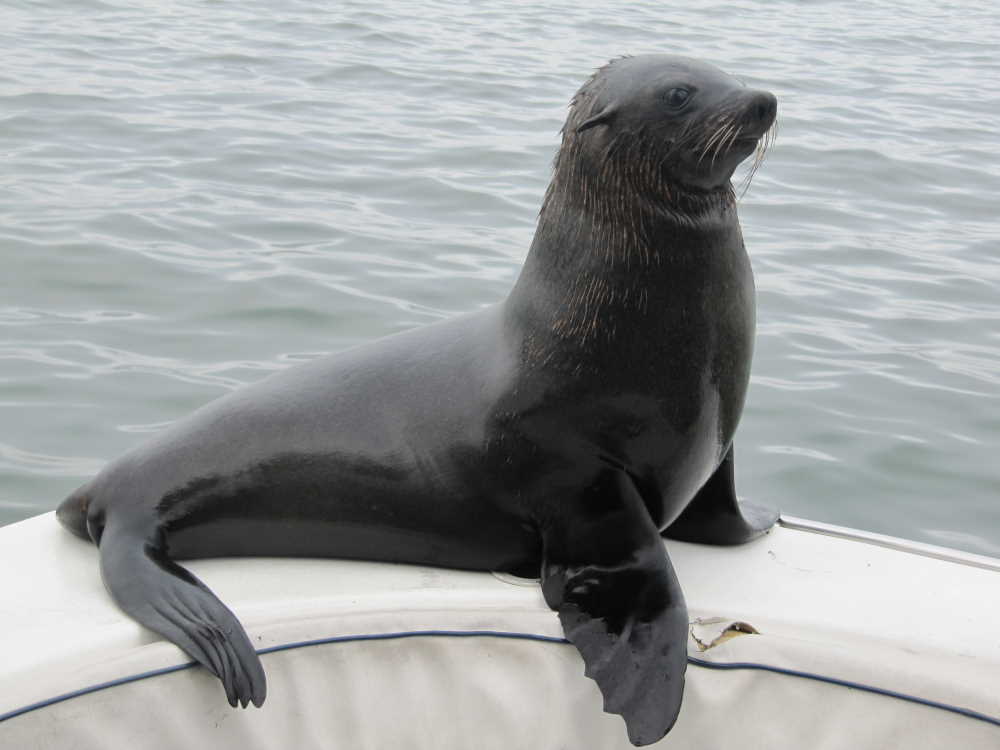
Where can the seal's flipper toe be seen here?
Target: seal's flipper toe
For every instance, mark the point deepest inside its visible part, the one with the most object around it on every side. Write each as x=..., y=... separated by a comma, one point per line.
x=168, y=599
x=715, y=516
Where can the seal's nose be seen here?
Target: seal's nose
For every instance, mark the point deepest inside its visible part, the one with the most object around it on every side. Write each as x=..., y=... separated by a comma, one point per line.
x=763, y=109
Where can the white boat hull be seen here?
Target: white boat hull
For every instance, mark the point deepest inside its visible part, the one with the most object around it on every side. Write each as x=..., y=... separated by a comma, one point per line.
x=374, y=655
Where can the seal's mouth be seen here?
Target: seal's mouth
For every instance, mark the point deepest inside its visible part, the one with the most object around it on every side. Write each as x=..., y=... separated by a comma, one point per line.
x=751, y=135
x=744, y=144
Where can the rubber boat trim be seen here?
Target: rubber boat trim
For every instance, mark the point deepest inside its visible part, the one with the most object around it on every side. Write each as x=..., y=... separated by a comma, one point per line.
x=891, y=542
x=968, y=713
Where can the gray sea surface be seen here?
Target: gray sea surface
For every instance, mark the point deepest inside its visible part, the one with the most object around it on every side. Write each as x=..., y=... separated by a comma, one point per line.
x=196, y=194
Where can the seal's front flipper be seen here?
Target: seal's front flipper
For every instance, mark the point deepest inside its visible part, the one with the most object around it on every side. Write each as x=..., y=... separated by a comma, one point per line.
x=607, y=574
x=715, y=516
x=166, y=598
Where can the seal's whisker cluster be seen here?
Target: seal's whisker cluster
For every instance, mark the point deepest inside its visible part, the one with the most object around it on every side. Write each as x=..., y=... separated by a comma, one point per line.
x=732, y=133
x=763, y=145
x=713, y=139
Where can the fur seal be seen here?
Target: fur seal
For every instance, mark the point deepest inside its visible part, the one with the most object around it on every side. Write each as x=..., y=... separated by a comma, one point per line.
x=557, y=433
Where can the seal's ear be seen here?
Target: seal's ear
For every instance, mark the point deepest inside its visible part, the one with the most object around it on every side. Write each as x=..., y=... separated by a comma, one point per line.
x=603, y=117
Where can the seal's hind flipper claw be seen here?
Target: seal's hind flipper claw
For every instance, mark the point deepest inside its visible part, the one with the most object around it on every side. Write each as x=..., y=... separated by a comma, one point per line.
x=715, y=516
x=169, y=600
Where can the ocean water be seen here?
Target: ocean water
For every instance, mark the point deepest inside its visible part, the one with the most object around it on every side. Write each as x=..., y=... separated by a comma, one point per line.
x=195, y=194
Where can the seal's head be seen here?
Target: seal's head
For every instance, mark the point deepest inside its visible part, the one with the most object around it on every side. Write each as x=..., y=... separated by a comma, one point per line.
x=679, y=123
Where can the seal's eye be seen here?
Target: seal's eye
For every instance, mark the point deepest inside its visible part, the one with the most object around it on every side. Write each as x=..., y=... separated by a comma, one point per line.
x=678, y=97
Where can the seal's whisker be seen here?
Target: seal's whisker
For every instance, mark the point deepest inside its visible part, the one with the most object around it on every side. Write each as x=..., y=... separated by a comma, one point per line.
x=737, y=130
x=698, y=147
x=707, y=136
x=765, y=143
x=716, y=137
x=748, y=178
x=733, y=129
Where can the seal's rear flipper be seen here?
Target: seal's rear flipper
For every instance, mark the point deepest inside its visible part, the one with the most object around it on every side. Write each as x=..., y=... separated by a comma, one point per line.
x=608, y=576
x=168, y=599
x=715, y=516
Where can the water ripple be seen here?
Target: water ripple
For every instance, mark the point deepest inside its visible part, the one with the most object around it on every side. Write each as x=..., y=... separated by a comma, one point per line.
x=13, y=459
x=84, y=359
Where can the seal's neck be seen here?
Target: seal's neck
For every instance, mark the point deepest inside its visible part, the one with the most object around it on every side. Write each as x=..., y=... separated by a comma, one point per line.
x=614, y=240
